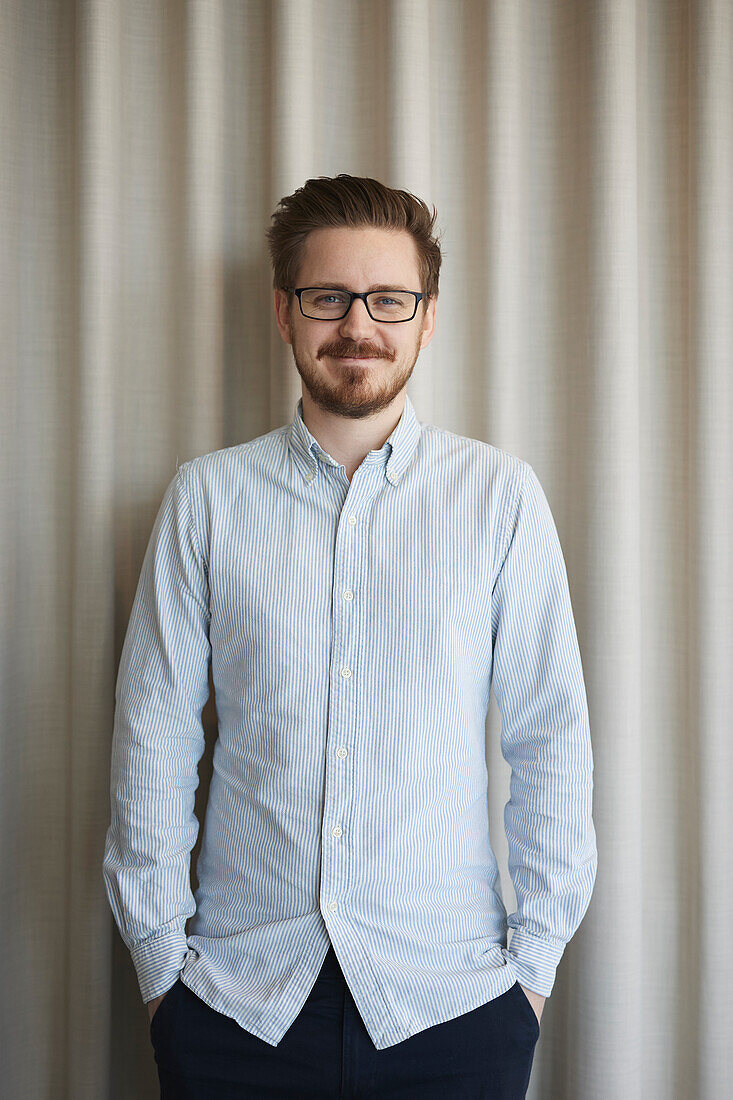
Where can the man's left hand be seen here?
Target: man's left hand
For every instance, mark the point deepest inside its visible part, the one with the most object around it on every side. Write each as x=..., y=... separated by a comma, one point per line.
x=536, y=1000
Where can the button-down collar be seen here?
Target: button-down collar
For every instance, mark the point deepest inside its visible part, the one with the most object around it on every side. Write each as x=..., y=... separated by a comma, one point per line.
x=394, y=456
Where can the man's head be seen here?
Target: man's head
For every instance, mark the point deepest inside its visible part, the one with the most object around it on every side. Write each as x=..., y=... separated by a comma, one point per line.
x=353, y=233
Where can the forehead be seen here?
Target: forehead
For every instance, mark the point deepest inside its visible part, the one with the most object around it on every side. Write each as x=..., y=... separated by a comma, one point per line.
x=359, y=257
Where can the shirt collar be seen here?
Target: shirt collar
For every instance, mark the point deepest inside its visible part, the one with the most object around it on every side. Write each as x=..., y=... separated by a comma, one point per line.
x=394, y=456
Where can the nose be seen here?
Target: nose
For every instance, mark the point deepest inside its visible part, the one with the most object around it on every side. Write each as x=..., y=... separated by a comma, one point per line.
x=357, y=324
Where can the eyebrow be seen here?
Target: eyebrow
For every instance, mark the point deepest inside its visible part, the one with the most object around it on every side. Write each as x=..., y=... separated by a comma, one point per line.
x=374, y=286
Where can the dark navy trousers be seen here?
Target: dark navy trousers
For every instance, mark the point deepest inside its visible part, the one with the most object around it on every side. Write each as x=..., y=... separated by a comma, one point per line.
x=327, y=1053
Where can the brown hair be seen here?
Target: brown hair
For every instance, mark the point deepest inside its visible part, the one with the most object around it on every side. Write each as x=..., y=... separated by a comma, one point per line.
x=351, y=201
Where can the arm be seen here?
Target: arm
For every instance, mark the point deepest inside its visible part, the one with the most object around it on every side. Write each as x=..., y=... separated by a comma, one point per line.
x=158, y=740
x=538, y=682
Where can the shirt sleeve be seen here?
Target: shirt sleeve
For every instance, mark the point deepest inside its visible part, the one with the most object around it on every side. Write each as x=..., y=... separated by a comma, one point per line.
x=158, y=740
x=545, y=738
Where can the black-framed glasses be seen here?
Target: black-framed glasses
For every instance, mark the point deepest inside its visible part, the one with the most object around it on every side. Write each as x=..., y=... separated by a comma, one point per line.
x=322, y=303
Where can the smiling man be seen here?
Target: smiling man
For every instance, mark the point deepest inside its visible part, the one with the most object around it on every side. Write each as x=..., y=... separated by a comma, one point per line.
x=358, y=581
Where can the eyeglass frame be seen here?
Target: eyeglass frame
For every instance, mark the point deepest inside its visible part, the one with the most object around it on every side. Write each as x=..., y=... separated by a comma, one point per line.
x=357, y=294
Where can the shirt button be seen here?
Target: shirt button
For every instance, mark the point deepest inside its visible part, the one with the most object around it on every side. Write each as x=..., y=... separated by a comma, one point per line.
x=352, y=520
x=336, y=830
x=332, y=905
x=346, y=672
x=341, y=751
x=348, y=594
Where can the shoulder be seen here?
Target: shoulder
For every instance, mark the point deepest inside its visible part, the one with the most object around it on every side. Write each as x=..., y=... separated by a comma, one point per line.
x=214, y=482
x=493, y=468
x=225, y=469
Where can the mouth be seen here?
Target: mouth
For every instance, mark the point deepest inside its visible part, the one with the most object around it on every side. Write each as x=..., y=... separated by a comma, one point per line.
x=354, y=358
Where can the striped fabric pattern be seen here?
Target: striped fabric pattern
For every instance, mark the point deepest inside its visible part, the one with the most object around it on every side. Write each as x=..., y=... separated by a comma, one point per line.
x=354, y=631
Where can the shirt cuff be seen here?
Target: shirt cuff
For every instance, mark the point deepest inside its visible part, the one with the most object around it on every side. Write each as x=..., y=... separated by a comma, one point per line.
x=159, y=962
x=535, y=960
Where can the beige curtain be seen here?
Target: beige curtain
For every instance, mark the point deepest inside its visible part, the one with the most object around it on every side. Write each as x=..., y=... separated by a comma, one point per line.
x=580, y=156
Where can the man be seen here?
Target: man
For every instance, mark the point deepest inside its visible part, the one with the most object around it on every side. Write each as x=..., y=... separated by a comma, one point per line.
x=358, y=580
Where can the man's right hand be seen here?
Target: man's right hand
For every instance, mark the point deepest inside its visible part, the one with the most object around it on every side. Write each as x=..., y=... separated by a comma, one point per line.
x=152, y=1005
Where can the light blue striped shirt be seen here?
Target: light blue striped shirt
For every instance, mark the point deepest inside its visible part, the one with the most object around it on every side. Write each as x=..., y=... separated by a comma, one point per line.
x=354, y=630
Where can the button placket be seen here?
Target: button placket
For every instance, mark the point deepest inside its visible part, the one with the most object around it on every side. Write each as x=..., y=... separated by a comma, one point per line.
x=345, y=641
x=348, y=559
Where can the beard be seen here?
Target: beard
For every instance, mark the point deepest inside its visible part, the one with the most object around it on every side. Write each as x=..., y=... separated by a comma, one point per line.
x=354, y=390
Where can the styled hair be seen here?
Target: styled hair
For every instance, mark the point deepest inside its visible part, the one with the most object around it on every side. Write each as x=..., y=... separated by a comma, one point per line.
x=354, y=202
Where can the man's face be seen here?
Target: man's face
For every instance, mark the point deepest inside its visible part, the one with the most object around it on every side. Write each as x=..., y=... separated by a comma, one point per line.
x=357, y=259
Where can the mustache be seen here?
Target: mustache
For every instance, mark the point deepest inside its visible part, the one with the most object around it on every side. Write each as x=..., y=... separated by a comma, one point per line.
x=365, y=351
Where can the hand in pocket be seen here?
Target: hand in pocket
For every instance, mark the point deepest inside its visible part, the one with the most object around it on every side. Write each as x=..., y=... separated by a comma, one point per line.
x=154, y=1004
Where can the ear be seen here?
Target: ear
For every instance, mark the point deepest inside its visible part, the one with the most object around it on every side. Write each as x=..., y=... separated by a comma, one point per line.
x=282, y=314
x=428, y=325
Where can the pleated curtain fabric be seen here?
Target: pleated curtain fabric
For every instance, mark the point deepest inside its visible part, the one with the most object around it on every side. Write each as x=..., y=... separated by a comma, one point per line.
x=580, y=157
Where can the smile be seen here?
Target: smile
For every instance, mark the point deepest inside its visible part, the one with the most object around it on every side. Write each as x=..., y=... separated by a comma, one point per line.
x=354, y=358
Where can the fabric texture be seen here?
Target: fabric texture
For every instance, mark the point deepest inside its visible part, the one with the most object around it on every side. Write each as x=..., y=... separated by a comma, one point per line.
x=354, y=629
x=327, y=1053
